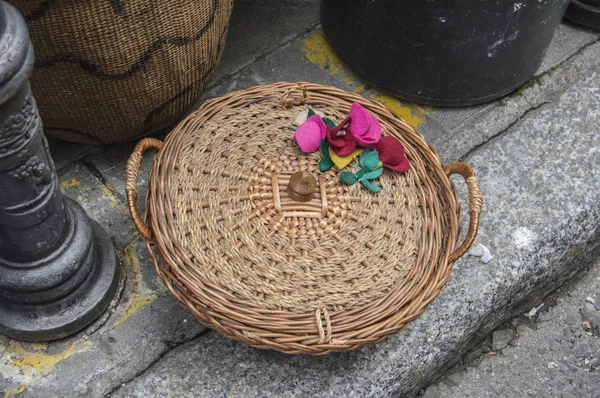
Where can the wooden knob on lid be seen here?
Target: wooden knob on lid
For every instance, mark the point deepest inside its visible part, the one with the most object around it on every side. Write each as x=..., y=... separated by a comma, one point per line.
x=302, y=186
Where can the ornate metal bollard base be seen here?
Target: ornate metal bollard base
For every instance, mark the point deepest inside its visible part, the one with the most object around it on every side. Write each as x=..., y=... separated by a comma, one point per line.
x=58, y=268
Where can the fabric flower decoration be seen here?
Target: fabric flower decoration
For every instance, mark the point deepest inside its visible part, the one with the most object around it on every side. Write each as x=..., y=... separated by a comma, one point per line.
x=326, y=162
x=342, y=161
x=341, y=140
x=359, y=135
x=305, y=114
x=371, y=169
x=365, y=126
x=391, y=154
x=310, y=133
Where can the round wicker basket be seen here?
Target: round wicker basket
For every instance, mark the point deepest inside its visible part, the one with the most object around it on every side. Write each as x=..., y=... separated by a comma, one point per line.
x=347, y=268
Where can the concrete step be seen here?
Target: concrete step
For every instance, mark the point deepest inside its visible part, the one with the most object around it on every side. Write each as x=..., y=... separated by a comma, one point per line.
x=554, y=350
x=541, y=221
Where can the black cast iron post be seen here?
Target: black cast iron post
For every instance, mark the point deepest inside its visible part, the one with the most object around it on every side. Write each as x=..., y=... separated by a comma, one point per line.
x=58, y=268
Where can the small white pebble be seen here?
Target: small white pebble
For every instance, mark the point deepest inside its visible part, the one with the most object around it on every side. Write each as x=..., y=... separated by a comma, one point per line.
x=586, y=361
x=482, y=252
x=590, y=300
x=534, y=311
x=552, y=365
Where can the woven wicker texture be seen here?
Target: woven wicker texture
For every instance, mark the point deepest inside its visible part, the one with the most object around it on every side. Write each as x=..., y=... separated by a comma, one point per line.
x=113, y=71
x=344, y=269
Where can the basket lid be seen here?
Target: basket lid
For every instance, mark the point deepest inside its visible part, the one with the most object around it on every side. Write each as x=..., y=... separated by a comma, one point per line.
x=256, y=239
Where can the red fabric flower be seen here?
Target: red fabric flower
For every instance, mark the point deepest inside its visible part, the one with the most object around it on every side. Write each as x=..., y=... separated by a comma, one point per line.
x=341, y=140
x=391, y=154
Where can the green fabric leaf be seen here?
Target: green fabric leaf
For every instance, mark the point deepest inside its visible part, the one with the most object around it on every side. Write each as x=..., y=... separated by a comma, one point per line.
x=371, y=186
x=371, y=175
x=361, y=159
x=310, y=113
x=379, y=165
x=348, y=178
x=361, y=173
x=324, y=147
x=325, y=164
x=369, y=160
x=329, y=122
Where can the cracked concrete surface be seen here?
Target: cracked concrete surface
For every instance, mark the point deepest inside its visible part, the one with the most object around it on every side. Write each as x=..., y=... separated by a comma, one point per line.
x=540, y=228
x=171, y=346
x=134, y=349
x=501, y=115
x=556, y=352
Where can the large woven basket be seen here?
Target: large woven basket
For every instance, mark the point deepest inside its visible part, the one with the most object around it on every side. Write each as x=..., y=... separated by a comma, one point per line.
x=346, y=269
x=113, y=71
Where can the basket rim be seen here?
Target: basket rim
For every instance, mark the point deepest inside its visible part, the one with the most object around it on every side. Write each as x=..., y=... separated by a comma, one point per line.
x=345, y=329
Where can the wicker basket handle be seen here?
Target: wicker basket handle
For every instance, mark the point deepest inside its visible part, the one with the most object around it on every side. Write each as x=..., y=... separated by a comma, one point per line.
x=288, y=99
x=132, y=173
x=475, y=204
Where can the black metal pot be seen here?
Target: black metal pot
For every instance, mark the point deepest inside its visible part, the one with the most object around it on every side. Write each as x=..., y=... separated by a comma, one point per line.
x=443, y=52
x=584, y=12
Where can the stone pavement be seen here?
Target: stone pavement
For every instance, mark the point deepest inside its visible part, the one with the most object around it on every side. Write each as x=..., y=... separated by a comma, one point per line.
x=552, y=352
x=536, y=153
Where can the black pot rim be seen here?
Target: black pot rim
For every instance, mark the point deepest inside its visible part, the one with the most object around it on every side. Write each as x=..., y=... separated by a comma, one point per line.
x=584, y=14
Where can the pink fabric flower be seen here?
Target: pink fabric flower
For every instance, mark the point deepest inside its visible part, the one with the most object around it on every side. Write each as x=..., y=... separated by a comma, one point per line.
x=310, y=133
x=391, y=154
x=341, y=140
x=365, y=126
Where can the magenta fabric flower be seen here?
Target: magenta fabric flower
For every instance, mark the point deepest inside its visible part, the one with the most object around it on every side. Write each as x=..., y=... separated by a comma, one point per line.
x=365, y=126
x=310, y=133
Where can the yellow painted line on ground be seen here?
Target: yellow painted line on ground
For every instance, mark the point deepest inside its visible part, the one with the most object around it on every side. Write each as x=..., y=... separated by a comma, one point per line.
x=140, y=295
x=69, y=184
x=12, y=392
x=134, y=305
x=318, y=51
x=104, y=191
x=33, y=358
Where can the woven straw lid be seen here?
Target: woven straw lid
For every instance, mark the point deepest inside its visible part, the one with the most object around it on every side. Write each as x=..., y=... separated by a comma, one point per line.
x=258, y=243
